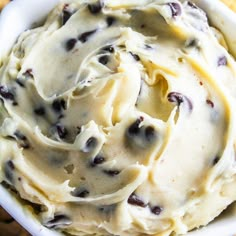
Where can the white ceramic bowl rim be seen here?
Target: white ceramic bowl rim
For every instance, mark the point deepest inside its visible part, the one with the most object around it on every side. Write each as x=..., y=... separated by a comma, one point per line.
x=26, y=13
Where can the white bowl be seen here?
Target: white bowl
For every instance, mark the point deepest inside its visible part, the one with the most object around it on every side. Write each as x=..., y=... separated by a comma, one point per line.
x=22, y=14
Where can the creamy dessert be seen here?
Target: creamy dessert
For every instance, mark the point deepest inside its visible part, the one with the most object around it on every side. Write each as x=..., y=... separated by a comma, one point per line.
x=118, y=118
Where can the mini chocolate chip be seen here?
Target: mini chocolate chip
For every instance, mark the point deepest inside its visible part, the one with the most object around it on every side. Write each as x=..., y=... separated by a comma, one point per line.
x=23, y=141
x=70, y=44
x=59, y=221
x=84, y=37
x=103, y=59
x=209, y=102
x=80, y=192
x=110, y=21
x=222, y=61
x=6, y=93
x=20, y=83
x=192, y=5
x=150, y=133
x=111, y=172
x=98, y=160
x=9, y=167
x=134, y=129
x=90, y=144
x=216, y=160
x=40, y=111
x=136, y=201
x=66, y=14
x=58, y=105
x=135, y=56
x=95, y=8
x=175, y=9
x=108, y=48
x=156, y=210
x=61, y=130
x=28, y=73
x=179, y=98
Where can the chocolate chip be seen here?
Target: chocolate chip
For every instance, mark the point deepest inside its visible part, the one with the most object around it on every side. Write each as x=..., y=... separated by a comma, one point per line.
x=110, y=21
x=80, y=192
x=59, y=105
x=150, y=133
x=28, y=73
x=6, y=93
x=111, y=173
x=59, y=221
x=175, y=9
x=156, y=210
x=135, y=56
x=98, y=160
x=84, y=37
x=179, y=98
x=61, y=130
x=192, y=5
x=8, y=169
x=70, y=44
x=95, y=8
x=222, y=61
x=134, y=129
x=209, y=102
x=136, y=201
x=90, y=144
x=20, y=83
x=40, y=111
x=103, y=59
x=23, y=141
x=108, y=49
x=216, y=160
x=66, y=14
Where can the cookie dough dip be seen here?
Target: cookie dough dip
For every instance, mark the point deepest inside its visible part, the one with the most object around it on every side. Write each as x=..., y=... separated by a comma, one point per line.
x=118, y=118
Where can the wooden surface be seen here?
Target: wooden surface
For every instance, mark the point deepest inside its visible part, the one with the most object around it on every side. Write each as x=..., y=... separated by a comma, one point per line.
x=9, y=227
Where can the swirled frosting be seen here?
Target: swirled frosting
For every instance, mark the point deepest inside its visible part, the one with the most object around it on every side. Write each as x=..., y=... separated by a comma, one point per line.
x=118, y=118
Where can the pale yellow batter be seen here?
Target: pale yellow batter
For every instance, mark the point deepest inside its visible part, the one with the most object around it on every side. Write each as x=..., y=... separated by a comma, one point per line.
x=118, y=118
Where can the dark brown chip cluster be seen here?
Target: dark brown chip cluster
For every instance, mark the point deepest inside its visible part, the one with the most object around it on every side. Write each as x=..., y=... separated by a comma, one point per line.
x=140, y=136
x=135, y=200
x=59, y=105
